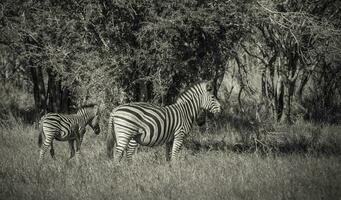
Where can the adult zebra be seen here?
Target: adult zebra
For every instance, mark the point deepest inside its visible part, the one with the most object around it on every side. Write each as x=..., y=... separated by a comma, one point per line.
x=69, y=128
x=151, y=125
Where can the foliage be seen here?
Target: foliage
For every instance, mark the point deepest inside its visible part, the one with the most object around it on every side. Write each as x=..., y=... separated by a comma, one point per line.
x=94, y=45
x=292, y=43
x=71, y=52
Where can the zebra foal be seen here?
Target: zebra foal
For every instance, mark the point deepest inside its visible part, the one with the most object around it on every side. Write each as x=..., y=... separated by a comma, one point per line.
x=150, y=125
x=69, y=128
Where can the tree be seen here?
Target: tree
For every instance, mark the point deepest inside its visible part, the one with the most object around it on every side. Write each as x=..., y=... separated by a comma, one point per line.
x=288, y=41
x=79, y=51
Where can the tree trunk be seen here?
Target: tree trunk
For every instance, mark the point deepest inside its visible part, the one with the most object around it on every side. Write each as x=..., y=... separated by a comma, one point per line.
x=38, y=89
x=50, y=92
x=290, y=92
x=279, y=98
x=65, y=100
x=58, y=96
x=54, y=92
x=300, y=90
x=263, y=83
x=293, y=71
x=218, y=78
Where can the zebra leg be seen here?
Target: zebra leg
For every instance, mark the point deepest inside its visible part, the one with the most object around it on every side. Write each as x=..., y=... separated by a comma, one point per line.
x=47, y=143
x=52, y=151
x=43, y=150
x=72, y=148
x=75, y=130
x=178, y=140
x=78, y=145
x=168, y=150
x=81, y=135
x=121, y=146
x=131, y=149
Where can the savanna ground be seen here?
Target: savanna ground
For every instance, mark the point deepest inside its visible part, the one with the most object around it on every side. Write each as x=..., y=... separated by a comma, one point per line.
x=305, y=163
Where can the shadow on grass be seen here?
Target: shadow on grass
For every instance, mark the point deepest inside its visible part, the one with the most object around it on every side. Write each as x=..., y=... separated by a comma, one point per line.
x=27, y=115
x=270, y=138
x=259, y=147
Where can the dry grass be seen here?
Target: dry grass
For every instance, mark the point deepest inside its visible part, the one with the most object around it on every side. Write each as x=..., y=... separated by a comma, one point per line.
x=207, y=169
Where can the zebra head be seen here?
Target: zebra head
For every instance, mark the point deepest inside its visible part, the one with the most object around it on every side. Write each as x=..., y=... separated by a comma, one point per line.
x=209, y=101
x=95, y=125
x=92, y=112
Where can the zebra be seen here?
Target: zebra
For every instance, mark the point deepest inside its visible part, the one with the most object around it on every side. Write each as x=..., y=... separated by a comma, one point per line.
x=150, y=125
x=69, y=128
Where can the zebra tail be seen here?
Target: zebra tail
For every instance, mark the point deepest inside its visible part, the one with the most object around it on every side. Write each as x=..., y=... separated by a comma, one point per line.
x=111, y=140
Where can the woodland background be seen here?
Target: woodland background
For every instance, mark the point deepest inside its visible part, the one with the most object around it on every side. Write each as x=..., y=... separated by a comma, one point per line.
x=278, y=60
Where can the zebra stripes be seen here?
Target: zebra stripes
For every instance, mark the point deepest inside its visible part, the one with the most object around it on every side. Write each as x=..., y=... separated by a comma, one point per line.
x=69, y=128
x=151, y=125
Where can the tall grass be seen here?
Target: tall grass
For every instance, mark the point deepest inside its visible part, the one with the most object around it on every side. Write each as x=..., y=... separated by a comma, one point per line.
x=209, y=168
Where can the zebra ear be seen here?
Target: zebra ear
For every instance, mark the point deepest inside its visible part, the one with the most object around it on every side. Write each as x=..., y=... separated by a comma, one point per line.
x=96, y=109
x=209, y=86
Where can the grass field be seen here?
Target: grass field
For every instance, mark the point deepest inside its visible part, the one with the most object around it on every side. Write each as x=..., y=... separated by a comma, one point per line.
x=208, y=168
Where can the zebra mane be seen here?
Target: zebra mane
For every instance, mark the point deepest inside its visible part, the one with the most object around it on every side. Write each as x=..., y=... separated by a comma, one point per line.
x=188, y=88
x=87, y=106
